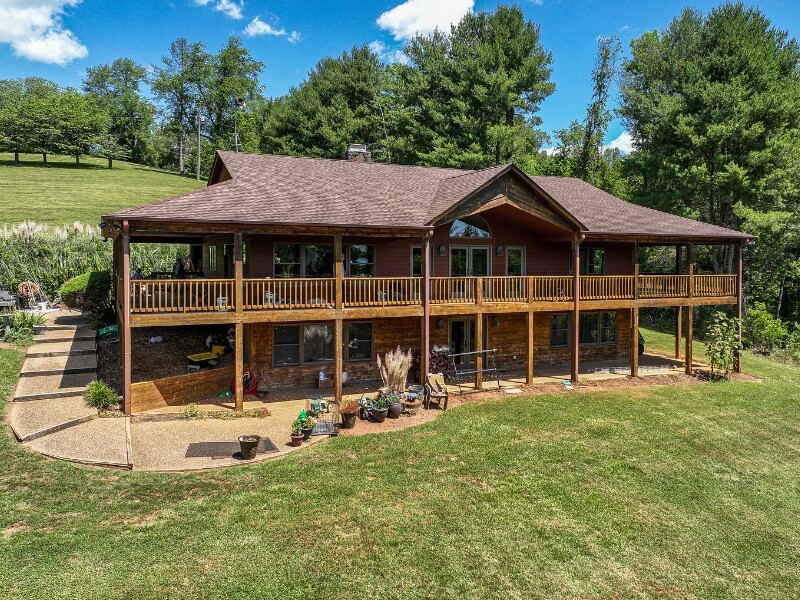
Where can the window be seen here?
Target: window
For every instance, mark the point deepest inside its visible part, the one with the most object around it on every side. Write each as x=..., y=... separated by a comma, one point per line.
x=515, y=261
x=598, y=328
x=594, y=328
x=286, y=345
x=303, y=260
x=416, y=261
x=470, y=227
x=212, y=259
x=359, y=341
x=559, y=330
x=593, y=261
x=316, y=344
x=361, y=260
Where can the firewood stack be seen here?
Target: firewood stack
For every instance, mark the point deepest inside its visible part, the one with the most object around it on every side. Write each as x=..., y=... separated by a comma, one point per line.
x=440, y=361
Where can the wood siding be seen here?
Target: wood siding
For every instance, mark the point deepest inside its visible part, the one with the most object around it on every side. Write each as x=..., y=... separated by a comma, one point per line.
x=183, y=389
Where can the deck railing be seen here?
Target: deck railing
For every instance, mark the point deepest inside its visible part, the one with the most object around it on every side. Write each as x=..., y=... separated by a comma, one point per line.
x=182, y=295
x=381, y=291
x=715, y=285
x=207, y=295
x=287, y=294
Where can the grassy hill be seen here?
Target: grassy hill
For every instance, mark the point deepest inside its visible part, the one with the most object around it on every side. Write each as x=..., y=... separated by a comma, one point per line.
x=63, y=192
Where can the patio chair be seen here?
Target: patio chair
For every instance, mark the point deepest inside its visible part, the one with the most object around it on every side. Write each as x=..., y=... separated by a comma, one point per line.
x=436, y=389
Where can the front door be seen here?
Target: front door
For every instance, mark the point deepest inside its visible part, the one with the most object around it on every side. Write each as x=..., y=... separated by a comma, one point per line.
x=462, y=339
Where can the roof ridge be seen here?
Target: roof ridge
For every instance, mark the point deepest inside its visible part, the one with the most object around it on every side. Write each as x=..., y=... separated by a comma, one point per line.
x=476, y=171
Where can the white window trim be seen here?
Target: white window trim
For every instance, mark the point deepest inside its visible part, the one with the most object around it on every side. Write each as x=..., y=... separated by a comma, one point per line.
x=521, y=249
x=469, y=249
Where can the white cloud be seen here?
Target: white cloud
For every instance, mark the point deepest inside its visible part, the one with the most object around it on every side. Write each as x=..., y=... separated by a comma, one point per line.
x=550, y=151
x=294, y=37
x=624, y=142
x=258, y=27
x=34, y=30
x=405, y=20
x=230, y=8
x=386, y=54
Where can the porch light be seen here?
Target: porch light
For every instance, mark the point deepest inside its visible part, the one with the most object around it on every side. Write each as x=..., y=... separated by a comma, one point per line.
x=440, y=324
x=442, y=250
x=499, y=251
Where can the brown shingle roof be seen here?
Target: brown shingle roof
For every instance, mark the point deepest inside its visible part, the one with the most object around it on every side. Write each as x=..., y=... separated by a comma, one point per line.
x=313, y=191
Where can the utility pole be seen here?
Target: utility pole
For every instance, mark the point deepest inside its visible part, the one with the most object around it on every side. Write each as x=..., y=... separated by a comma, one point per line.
x=200, y=119
x=239, y=105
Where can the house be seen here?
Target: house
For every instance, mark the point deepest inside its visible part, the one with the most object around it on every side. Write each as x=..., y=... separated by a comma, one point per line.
x=319, y=264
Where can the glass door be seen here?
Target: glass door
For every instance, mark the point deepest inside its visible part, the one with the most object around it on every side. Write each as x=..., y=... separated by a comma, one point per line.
x=462, y=339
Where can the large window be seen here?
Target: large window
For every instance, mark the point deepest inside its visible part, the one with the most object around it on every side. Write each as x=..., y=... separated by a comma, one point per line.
x=559, y=330
x=593, y=261
x=416, y=261
x=303, y=260
x=312, y=344
x=515, y=261
x=470, y=227
x=361, y=260
x=594, y=328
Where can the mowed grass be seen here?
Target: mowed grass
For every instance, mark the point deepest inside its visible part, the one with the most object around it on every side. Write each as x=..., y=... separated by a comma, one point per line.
x=665, y=492
x=63, y=192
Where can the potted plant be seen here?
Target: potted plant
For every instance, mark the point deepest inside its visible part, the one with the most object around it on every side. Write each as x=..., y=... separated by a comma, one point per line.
x=249, y=445
x=39, y=324
x=307, y=426
x=380, y=408
x=297, y=432
x=349, y=411
x=395, y=406
x=366, y=405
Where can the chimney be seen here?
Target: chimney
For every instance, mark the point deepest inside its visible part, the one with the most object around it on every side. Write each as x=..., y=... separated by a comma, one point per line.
x=357, y=153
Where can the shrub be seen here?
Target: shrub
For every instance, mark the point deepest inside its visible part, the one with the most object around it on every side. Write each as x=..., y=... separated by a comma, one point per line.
x=394, y=370
x=100, y=395
x=763, y=331
x=22, y=324
x=722, y=342
x=86, y=291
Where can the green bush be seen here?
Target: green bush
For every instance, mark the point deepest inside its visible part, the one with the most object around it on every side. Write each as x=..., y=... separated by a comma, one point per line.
x=763, y=331
x=100, y=395
x=722, y=343
x=22, y=324
x=90, y=291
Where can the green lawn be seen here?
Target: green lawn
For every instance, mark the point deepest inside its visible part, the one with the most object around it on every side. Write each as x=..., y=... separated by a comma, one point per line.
x=666, y=492
x=64, y=192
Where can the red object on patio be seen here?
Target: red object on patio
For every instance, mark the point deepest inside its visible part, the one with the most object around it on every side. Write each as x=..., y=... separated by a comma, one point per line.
x=249, y=384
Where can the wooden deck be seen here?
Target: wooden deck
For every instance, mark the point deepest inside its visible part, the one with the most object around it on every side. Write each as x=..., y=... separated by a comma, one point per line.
x=217, y=300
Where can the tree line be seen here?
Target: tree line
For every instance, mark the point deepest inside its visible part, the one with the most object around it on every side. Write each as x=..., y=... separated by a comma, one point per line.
x=712, y=103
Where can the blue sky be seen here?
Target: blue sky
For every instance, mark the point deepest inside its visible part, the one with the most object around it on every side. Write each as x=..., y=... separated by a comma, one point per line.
x=58, y=39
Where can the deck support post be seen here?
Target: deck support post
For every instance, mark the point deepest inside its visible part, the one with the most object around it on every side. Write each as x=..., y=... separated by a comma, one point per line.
x=690, y=306
x=425, y=345
x=238, y=304
x=338, y=326
x=479, y=349
x=531, y=348
x=678, y=330
x=737, y=361
x=634, y=342
x=126, y=319
x=576, y=311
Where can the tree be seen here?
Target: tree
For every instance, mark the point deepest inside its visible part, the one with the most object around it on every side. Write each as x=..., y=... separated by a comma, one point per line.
x=339, y=103
x=181, y=85
x=469, y=99
x=13, y=131
x=117, y=90
x=81, y=123
x=713, y=103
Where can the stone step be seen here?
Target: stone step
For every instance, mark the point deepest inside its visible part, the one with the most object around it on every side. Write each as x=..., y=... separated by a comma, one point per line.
x=52, y=386
x=64, y=335
x=37, y=418
x=102, y=441
x=66, y=319
x=58, y=365
x=62, y=349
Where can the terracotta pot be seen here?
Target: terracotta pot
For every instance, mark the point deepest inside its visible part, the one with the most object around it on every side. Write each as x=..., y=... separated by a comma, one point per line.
x=395, y=408
x=297, y=440
x=349, y=420
x=378, y=415
x=248, y=445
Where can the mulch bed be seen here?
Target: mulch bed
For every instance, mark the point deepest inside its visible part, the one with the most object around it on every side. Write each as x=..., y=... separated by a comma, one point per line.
x=156, y=361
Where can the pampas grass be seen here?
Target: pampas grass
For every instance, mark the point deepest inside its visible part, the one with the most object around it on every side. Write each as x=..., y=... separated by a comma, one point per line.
x=394, y=370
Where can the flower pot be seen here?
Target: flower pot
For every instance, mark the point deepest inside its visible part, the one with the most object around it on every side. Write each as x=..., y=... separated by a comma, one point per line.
x=349, y=420
x=297, y=440
x=249, y=446
x=395, y=408
x=307, y=432
x=39, y=329
x=378, y=415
